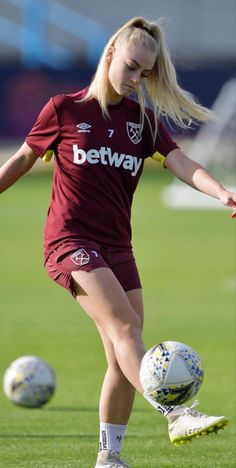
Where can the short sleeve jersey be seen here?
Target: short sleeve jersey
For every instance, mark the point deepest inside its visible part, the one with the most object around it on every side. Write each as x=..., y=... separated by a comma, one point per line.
x=98, y=163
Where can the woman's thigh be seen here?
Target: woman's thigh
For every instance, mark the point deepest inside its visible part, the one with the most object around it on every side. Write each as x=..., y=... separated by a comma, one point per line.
x=135, y=297
x=102, y=297
x=136, y=300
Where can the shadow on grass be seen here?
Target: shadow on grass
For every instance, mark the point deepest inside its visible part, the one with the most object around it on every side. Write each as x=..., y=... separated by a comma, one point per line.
x=65, y=436
x=88, y=410
x=48, y=436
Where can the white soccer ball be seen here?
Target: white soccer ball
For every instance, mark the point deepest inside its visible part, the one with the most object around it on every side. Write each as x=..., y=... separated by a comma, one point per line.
x=29, y=381
x=171, y=373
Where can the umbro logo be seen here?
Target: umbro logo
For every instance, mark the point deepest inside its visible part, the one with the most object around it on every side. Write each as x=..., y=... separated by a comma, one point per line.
x=84, y=127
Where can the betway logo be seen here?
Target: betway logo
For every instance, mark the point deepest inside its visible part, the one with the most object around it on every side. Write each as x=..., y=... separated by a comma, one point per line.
x=105, y=156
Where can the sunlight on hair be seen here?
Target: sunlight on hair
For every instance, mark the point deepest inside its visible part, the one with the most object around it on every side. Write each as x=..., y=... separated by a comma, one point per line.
x=160, y=91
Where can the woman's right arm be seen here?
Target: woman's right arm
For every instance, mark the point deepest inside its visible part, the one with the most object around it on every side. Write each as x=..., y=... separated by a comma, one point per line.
x=20, y=163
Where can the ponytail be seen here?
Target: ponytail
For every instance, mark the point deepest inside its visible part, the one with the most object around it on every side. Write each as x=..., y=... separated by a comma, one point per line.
x=160, y=89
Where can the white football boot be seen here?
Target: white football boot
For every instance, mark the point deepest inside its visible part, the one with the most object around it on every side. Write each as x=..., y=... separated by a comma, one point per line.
x=109, y=459
x=186, y=424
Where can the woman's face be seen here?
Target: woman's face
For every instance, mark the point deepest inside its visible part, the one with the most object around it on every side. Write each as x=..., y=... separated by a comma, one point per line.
x=128, y=69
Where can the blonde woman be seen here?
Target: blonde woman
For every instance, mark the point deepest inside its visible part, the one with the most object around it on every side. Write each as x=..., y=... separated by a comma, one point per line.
x=100, y=139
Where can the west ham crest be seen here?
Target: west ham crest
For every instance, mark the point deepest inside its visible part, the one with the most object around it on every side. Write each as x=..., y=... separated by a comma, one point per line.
x=134, y=132
x=80, y=257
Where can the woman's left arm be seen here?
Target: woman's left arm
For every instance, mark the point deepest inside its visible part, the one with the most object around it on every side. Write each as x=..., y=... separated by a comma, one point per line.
x=197, y=177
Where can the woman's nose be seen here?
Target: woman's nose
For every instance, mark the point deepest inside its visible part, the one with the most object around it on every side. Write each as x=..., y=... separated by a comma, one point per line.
x=135, y=78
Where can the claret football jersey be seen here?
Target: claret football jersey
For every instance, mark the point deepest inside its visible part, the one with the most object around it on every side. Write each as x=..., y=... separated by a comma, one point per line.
x=97, y=164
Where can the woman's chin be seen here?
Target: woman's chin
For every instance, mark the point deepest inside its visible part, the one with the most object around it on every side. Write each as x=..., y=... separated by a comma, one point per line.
x=118, y=95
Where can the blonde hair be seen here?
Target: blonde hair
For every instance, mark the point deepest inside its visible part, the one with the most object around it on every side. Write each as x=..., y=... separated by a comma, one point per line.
x=160, y=88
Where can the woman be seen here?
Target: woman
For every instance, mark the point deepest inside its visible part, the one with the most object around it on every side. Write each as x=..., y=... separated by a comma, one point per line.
x=100, y=139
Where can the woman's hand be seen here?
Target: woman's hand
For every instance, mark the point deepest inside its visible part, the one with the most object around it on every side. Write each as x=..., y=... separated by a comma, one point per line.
x=197, y=177
x=228, y=199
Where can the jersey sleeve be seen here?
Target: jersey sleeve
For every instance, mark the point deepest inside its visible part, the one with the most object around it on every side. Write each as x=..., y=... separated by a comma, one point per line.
x=45, y=131
x=164, y=144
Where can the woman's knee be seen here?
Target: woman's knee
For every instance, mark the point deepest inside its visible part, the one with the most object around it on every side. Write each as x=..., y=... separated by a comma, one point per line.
x=127, y=331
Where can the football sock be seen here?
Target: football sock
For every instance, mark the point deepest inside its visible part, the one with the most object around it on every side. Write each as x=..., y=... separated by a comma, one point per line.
x=164, y=410
x=111, y=436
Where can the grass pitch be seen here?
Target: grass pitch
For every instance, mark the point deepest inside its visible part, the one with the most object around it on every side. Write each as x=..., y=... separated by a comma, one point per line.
x=187, y=264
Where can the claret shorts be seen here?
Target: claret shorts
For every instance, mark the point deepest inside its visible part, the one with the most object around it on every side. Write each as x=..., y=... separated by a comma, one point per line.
x=87, y=256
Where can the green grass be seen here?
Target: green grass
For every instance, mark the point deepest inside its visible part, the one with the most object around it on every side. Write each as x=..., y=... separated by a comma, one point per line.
x=187, y=264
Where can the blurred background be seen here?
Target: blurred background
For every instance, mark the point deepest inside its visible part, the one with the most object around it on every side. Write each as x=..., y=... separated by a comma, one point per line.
x=52, y=46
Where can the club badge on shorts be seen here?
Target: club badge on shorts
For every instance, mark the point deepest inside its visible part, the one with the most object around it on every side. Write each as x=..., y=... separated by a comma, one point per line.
x=80, y=257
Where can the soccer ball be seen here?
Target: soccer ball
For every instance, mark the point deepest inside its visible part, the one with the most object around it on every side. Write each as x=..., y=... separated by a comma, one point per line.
x=171, y=373
x=29, y=381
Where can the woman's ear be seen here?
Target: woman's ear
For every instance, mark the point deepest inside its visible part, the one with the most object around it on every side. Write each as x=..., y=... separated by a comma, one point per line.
x=110, y=53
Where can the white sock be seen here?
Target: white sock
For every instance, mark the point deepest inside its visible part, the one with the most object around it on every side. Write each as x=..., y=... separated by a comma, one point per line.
x=163, y=409
x=111, y=436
